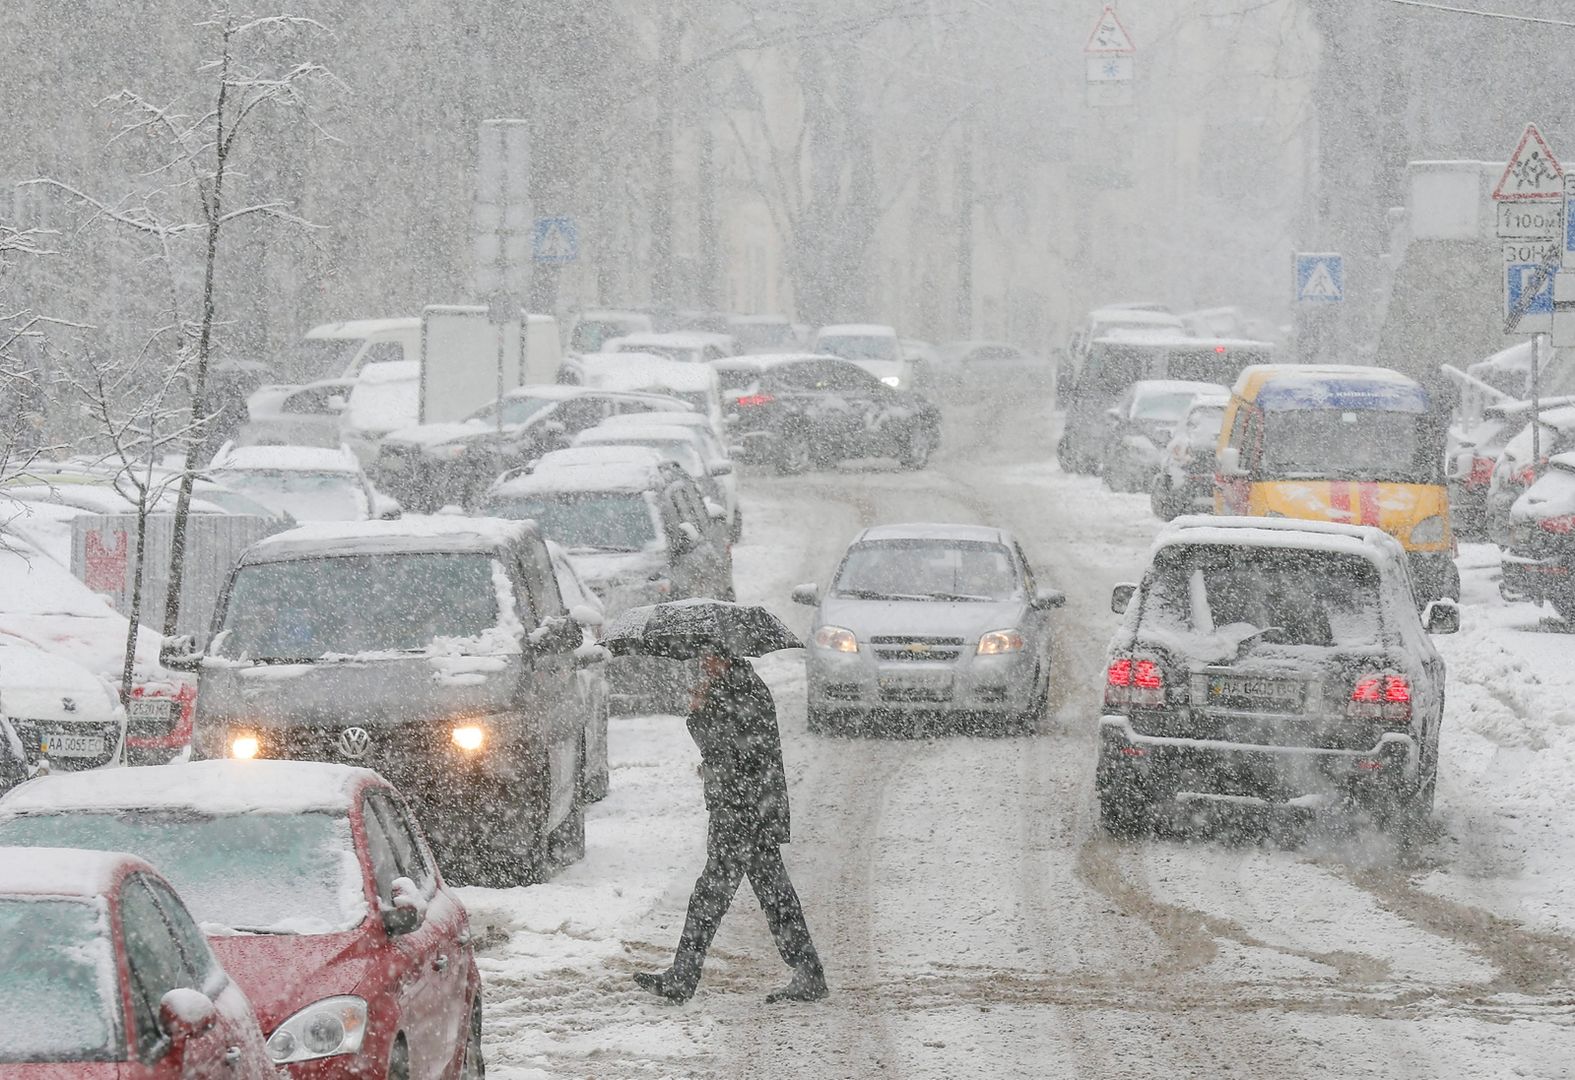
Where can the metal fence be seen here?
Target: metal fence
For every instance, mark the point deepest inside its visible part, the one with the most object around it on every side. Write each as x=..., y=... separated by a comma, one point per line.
x=103, y=549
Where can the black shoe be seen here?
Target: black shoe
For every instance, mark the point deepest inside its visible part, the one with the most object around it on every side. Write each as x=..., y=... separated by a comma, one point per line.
x=663, y=985
x=807, y=985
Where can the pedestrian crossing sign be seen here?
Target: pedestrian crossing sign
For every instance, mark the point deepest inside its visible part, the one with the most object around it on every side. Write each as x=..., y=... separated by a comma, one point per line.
x=1320, y=278
x=555, y=241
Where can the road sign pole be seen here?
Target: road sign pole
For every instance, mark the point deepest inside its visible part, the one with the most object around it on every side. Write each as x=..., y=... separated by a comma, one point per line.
x=1539, y=346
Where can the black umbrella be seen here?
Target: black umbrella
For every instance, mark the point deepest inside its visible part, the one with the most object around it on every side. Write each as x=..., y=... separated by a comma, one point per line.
x=683, y=629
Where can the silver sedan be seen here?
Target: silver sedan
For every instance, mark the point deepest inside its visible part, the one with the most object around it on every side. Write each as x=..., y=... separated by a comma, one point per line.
x=924, y=621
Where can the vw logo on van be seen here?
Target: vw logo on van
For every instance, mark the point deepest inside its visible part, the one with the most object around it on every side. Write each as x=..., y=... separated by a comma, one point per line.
x=354, y=742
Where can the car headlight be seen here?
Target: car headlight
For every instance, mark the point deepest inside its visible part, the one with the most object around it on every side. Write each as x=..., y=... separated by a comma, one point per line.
x=891, y=380
x=997, y=642
x=1429, y=530
x=469, y=737
x=324, y=1028
x=837, y=639
x=245, y=747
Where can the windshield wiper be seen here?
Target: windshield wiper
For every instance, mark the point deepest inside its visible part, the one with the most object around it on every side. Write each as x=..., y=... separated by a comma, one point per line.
x=870, y=594
x=958, y=596
x=261, y=931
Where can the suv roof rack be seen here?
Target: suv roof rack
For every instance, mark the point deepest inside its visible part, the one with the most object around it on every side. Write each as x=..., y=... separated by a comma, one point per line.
x=1366, y=533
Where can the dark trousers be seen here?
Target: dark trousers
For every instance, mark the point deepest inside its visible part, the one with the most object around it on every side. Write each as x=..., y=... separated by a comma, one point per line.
x=731, y=855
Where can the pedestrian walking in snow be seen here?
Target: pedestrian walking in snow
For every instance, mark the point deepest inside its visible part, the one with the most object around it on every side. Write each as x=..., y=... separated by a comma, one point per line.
x=733, y=720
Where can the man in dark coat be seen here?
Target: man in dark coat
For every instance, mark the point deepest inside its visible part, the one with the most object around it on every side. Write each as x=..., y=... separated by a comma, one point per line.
x=734, y=722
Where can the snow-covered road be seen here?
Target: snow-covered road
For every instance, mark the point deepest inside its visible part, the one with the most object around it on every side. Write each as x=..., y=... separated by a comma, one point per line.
x=976, y=923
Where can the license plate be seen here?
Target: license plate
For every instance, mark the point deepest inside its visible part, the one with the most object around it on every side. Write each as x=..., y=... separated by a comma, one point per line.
x=151, y=710
x=61, y=744
x=917, y=680
x=1236, y=689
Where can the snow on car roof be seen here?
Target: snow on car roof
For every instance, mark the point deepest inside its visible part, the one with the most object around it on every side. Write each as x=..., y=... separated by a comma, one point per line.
x=680, y=339
x=261, y=786
x=603, y=476
x=285, y=459
x=856, y=330
x=935, y=531
x=40, y=871
x=686, y=420
x=642, y=371
x=636, y=434
x=1565, y=461
x=1135, y=317
x=410, y=534
x=1168, y=338
x=25, y=666
x=1364, y=540
x=390, y=371
x=579, y=457
x=360, y=328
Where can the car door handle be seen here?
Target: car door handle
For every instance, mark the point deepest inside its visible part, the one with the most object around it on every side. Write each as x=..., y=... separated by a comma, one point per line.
x=232, y=1056
x=440, y=963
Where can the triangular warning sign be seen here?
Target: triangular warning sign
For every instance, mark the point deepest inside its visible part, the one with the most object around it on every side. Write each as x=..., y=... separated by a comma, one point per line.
x=1532, y=173
x=1109, y=38
x=1320, y=283
x=554, y=242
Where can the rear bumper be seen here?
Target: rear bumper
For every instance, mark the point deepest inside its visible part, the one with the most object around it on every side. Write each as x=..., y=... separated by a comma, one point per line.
x=971, y=683
x=1536, y=578
x=1163, y=767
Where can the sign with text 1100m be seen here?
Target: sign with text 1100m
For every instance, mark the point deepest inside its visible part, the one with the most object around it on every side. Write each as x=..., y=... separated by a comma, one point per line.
x=1529, y=221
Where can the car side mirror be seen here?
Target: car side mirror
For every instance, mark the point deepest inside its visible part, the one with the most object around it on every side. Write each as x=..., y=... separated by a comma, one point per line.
x=180, y=653
x=808, y=595
x=685, y=538
x=388, y=508
x=586, y=616
x=409, y=908
x=336, y=403
x=184, y=1014
x=1228, y=462
x=1045, y=599
x=1442, y=617
x=1460, y=466
x=722, y=468
x=1121, y=597
x=557, y=635
x=715, y=510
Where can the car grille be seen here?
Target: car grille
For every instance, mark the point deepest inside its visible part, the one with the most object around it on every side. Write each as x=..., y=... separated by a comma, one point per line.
x=903, y=649
x=32, y=733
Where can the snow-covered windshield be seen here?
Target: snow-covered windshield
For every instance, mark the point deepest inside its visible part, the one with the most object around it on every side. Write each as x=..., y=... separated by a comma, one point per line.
x=304, y=495
x=928, y=570
x=1163, y=407
x=58, y=988
x=1319, y=598
x=266, y=873
x=1363, y=444
x=683, y=354
x=304, y=609
x=1203, y=427
x=588, y=520
x=858, y=346
x=516, y=410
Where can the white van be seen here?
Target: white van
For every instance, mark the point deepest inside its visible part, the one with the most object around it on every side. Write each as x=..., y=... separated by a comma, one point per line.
x=341, y=349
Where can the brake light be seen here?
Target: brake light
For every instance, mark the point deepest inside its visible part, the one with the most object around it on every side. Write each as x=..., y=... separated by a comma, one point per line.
x=1381, y=697
x=1481, y=472
x=1219, y=348
x=1565, y=523
x=748, y=400
x=1130, y=681
x=1525, y=476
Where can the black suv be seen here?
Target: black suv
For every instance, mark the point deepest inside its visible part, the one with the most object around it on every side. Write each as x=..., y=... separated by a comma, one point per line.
x=436, y=651
x=802, y=412
x=429, y=466
x=1273, y=660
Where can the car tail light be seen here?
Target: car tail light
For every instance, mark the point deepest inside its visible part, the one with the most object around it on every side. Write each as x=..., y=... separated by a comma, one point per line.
x=1134, y=681
x=1381, y=697
x=1563, y=524
x=1481, y=473
x=1525, y=476
x=749, y=400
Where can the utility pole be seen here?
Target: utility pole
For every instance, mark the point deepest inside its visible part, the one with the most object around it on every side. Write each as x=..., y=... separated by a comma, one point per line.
x=710, y=241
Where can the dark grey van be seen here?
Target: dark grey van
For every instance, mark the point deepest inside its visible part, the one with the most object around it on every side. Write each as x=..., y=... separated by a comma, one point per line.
x=436, y=651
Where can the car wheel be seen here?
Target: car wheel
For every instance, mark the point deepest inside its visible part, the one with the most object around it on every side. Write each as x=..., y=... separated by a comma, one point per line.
x=1564, y=603
x=735, y=529
x=1124, y=811
x=795, y=455
x=599, y=781
x=474, y=1067
x=517, y=850
x=918, y=447
x=1027, y=721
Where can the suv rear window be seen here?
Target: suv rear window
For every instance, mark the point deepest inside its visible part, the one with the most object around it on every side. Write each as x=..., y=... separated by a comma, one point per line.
x=588, y=520
x=1317, y=598
x=304, y=609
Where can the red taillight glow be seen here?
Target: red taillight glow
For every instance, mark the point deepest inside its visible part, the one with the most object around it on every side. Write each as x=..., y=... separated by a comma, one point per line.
x=1370, y=764
x=1134, y=681
x=749, y=400
x=1381, y=697
x=1219, y=348
x=1562, y=525
x=1481, y=472
x=1525, y=476
x=1133, y=751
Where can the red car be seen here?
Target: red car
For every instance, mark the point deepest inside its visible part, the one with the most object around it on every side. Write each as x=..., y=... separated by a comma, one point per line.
x=316, y=889
x=106, y=975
